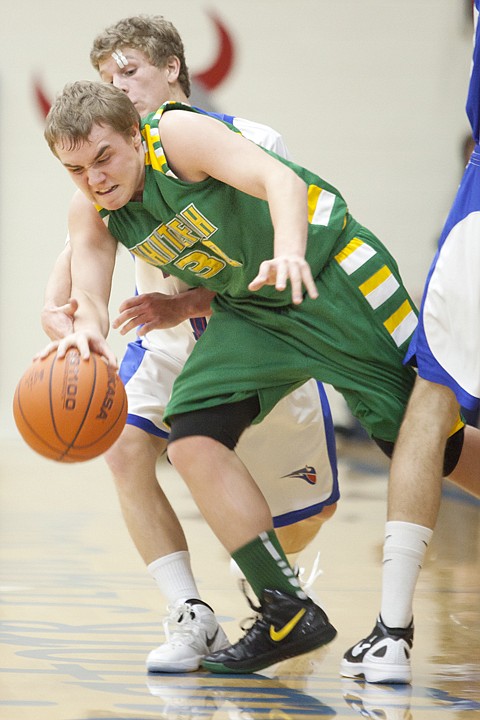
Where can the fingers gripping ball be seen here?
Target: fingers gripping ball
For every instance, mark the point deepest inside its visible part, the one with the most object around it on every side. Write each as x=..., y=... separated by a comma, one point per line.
x=69, y=409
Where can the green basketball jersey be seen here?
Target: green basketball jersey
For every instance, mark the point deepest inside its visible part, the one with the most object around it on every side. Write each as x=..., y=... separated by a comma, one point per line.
x=208, y=233
x=354, y=336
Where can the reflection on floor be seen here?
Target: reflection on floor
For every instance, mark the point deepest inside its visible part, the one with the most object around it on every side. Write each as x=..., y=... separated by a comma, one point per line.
x=79, y=613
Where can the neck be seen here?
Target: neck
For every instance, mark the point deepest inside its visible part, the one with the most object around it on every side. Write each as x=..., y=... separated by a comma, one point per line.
x=177, y=95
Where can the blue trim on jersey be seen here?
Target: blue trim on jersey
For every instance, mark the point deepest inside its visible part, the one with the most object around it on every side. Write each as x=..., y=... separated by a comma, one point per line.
x=198, y=326
x=330, y=437
x=146, y=425
x=292, y=517
x=219, y=116
x=472, y=107
x=467, y=201
x=132, y=360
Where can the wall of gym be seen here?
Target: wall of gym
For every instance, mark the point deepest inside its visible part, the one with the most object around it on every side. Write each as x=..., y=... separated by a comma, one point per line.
x=368, y=93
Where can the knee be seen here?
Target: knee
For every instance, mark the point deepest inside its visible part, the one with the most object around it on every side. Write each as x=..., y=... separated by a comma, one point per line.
x=134, y=452
x=187, y=453
x=122, y=452
x=178, y=452
x=431, y=401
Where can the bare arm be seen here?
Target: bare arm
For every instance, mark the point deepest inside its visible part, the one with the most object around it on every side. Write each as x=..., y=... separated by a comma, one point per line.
x=156, y=311
x=93, y=252
x=59, y=307
x=235, y=161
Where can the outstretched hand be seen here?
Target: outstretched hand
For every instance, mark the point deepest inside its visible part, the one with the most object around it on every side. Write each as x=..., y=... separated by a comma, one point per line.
x=57, y=320
x=85, y=342
x=283, y=269
x=151, y=311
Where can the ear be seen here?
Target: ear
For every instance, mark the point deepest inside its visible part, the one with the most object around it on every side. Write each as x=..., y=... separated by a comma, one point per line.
x=136, y=135
x=173, y=69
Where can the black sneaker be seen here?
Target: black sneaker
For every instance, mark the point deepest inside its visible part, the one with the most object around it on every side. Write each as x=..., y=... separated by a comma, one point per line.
x=285, y=627
x=382, y=657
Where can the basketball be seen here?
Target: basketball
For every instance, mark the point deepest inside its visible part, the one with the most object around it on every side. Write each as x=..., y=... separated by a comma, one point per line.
x=69, y=409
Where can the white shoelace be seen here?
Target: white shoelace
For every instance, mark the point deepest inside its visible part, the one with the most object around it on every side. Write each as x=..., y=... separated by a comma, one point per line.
x=315, y=572
x=179, y=624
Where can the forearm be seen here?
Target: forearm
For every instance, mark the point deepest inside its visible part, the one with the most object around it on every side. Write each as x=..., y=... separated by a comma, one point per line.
x=158, y=311
x=92, y=314
x=195, y=303
x=59, y=309
x=59, y=284
x=288, y=204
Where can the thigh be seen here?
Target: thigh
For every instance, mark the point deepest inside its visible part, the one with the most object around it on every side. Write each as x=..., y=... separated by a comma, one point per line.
x=233, y=360
x=148, y=376
x=354, y=336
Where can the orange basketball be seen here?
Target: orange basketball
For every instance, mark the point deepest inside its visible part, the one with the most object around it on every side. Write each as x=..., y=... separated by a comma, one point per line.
x=69, y=409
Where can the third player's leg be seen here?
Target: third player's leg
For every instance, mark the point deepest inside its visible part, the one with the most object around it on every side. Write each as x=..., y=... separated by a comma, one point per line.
x=417, y=464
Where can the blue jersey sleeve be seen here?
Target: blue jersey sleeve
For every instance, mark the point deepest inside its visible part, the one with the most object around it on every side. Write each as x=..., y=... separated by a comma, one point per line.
x=473, y=97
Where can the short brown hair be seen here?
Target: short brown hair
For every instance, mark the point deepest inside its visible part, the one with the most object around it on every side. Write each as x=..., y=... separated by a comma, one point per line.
x=83, y=104
x=156, y=37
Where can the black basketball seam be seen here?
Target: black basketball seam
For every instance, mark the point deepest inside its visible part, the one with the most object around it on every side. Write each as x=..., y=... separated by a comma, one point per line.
x=32, y=429
x=113, y=427
x=67, y=453
x=52, y=416
x=70, y=445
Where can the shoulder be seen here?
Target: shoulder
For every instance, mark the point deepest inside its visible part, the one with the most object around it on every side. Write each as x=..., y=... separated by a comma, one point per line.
x=263, y=135
x=186, y=133
x=84, y=213
x=82, y=206
x=184, y=117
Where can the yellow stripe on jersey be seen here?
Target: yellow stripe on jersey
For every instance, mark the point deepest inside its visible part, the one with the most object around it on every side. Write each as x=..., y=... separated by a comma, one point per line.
x=458, y=426
x=379, y=287
x=320, y=205
x=156, y=155
x=354, y=255
x=401, y=323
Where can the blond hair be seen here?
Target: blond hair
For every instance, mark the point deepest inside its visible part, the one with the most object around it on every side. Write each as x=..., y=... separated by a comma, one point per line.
x=83, y=104
x=156, y=37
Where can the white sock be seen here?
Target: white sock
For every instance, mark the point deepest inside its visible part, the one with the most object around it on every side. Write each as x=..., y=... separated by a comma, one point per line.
x=173, y=575
x=403, y=553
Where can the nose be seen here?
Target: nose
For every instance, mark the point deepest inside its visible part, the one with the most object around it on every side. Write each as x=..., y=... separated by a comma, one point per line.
x=95, y=177
x=119, y=82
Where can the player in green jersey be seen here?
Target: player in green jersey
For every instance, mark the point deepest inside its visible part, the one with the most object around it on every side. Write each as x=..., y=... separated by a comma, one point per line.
x=206, y=205
x=144, y=57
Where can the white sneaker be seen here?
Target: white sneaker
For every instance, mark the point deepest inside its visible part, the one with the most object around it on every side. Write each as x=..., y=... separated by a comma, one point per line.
x=191, y=632
x=382, y=657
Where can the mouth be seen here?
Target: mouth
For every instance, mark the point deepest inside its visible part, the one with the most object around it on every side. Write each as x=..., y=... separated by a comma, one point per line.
x=104, y=193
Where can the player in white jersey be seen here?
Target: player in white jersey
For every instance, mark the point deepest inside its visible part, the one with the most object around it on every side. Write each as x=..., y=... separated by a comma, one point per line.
x=291, y=454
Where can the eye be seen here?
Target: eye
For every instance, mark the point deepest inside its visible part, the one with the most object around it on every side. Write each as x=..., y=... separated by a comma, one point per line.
x=130, y=72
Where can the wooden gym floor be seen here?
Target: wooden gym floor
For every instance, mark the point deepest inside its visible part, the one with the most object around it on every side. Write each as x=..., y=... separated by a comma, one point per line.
x=79, y=612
